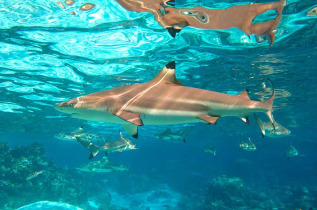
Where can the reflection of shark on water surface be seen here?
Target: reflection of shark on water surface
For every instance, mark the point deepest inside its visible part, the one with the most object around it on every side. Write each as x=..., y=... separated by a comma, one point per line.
x=163, y=100
x=118, y=145
x=269, y=130
x=102, y=165
x=169, y=135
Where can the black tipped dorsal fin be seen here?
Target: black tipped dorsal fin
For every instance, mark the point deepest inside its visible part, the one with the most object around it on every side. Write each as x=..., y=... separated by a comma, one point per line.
x=167, y=75
x=244, y=94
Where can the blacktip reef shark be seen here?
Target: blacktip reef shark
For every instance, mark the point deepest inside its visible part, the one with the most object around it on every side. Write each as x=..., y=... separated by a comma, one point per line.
x=163, y=100
x=267, y=128
x=71, y=137
x=169, y=135
x=101, y=166
x=118, y=145
x=211, y=149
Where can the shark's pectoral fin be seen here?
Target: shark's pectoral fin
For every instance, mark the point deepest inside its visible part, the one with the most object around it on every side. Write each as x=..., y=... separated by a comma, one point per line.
x=246, y=120
x=260, y=123
x=131, y=129
x=209, y=119
x=131, y=117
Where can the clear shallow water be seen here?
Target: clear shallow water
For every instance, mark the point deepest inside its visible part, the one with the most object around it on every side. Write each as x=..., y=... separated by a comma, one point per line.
x=49, y=56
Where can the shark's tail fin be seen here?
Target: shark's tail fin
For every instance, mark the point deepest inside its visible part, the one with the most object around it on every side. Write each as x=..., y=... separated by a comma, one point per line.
x=185, y=133
x=260, y=123
x=269, y=104
x=94, y=149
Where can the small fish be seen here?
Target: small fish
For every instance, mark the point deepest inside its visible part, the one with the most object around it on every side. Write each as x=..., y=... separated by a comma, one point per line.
x=291, y=151
x=247, y=146
x=33, y=175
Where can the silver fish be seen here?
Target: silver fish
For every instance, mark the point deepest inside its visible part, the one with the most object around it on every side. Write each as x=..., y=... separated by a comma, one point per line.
x=247, y=146
x=33, y=175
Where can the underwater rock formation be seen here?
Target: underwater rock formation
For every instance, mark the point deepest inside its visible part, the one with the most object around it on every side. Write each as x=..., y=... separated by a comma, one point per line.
x=27, y=176
x=232, y=193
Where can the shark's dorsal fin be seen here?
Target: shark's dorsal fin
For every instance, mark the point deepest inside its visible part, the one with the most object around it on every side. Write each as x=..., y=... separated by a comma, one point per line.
x=106, y=143
x=244, y=94
x=167, y=75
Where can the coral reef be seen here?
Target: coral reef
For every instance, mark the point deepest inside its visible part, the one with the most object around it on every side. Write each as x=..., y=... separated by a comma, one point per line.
x=27, y=176
x=231, y=193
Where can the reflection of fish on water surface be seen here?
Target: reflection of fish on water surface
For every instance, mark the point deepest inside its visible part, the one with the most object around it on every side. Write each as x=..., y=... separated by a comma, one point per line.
x=312, y=12
x=33, y=175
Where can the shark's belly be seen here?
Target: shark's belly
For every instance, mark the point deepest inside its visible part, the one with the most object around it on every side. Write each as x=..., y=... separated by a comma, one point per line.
x=166, y=119
x=98, y=116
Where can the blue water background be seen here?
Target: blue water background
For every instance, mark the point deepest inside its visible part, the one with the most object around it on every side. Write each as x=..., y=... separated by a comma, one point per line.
x=49, y=56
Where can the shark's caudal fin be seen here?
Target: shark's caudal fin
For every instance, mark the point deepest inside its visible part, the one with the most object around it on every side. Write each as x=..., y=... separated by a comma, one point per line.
x=94, y=149
x=185, y=133
x=260, y=123
x=269, y=104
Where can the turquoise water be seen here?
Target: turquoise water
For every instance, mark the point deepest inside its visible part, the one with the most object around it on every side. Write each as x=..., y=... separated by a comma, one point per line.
x=49, y=56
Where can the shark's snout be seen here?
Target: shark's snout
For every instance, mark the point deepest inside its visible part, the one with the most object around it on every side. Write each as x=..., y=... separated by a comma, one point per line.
x=65, y=106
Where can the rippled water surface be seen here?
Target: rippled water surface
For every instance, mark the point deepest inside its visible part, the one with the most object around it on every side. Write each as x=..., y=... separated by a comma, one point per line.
x=48, y=56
